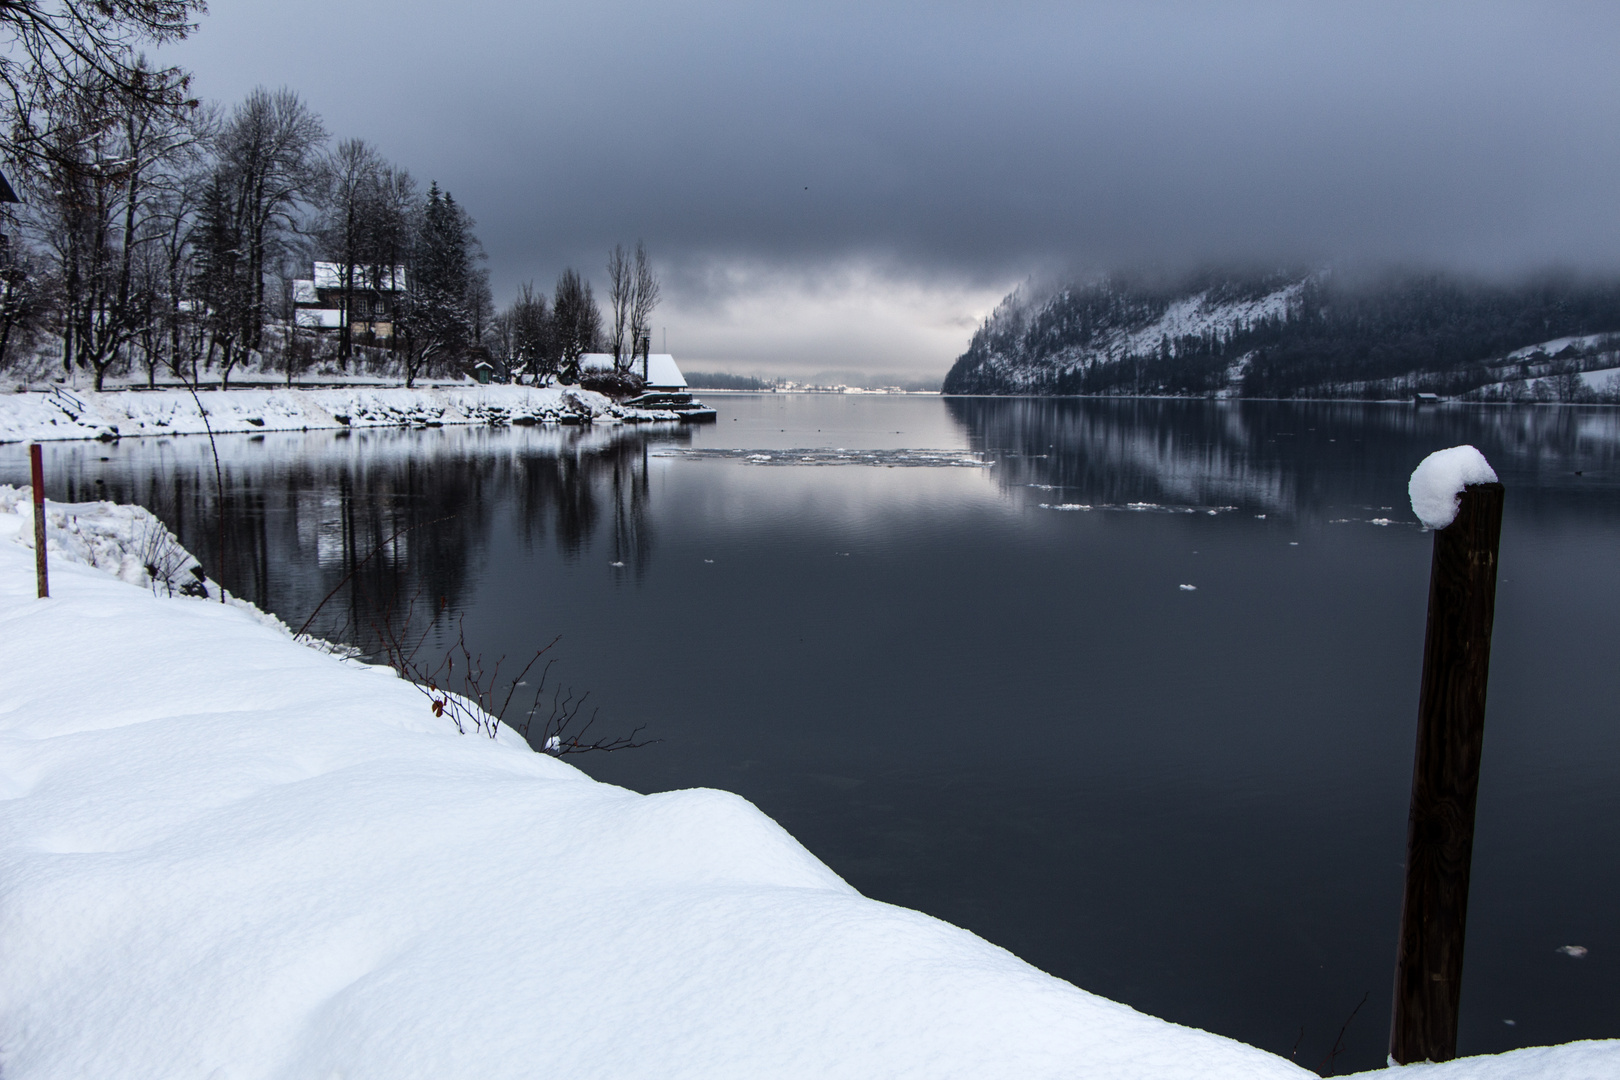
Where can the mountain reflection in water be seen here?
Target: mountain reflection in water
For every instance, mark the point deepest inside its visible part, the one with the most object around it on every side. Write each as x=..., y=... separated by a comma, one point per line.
x=1283, y=458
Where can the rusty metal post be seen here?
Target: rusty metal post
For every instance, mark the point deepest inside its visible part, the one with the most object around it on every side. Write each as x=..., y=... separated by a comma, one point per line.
x=36, y=462
x=1445, y=779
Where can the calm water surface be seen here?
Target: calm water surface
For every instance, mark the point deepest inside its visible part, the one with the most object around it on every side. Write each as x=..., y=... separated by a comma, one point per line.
x=972, y=682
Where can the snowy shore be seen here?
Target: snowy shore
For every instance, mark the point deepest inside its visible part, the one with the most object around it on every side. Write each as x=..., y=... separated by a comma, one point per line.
x=61, y=413
x=225, y=854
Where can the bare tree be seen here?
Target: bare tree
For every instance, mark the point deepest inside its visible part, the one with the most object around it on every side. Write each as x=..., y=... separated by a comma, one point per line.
x=576, y=323
x=392, y=215
x=24, y=299
x=347, y=181
x=480, y=300
x=267, y=158
x=500, y=338
x=621, y=284
x=173, y=221
x=644, y=296
x=530, y=337
x=55, y=51
x=95, y=184
x=224, y=287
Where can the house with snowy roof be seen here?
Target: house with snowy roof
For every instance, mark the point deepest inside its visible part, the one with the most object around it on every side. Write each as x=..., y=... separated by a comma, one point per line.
x=658, y=369
x=320, y=302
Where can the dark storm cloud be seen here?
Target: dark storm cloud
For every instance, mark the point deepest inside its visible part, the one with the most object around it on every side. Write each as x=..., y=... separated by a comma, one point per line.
x=972, y=142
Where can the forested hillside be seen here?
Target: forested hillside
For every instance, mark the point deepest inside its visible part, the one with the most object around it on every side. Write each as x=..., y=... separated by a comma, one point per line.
x=1300, y=334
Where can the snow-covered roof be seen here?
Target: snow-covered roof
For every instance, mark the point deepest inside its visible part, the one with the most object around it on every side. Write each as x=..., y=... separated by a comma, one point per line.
x=329, y=275
x=319, y=318
x=662, y=371
x=304, y=292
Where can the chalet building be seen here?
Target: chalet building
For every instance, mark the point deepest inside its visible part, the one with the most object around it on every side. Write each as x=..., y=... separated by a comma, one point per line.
x=318, y=302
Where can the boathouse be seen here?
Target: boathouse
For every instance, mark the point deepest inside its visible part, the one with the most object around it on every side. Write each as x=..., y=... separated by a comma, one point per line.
x=659, y=369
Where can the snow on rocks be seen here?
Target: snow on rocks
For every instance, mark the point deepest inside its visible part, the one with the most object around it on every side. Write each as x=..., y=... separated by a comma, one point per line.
x=1438, y=481
x=223, y=855
x=61, y=413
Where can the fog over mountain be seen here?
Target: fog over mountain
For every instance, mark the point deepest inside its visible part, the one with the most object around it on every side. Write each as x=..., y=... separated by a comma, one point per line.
x=846, y=185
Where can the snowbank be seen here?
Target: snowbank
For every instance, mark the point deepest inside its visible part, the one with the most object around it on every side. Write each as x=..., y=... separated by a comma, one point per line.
x=1572, y=1061
x=225, y=855
x=82, y=414
x=1438, y=481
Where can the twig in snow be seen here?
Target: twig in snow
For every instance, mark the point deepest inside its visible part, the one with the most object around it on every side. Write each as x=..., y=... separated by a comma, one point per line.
x=1338, y=1044
x=219, y=478
x=480, y=706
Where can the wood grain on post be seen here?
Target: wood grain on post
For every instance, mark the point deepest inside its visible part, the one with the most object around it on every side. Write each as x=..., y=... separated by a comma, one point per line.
x=36, y=464
x=1445, y=779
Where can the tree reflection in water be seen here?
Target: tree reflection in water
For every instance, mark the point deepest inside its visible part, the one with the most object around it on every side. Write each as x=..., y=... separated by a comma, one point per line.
x=383, y=517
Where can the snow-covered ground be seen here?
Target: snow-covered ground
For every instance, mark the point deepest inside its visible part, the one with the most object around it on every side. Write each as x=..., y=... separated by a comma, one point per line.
x=61, y=413
x=1583, y=344
x=226, y=855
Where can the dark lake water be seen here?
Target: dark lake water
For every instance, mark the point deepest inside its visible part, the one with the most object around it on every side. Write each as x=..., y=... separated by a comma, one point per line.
x=970, y=679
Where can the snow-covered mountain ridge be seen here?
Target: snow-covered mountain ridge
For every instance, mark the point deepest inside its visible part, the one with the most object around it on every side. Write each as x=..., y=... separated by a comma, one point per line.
x=1293, y=333
x=1107, y=324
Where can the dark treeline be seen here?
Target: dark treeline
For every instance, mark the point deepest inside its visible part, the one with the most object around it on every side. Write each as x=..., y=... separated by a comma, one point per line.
x=720, y=380
x=161, y=236
x=1315, y=335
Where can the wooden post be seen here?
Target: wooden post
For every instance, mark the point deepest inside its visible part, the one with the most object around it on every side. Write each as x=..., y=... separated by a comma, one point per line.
x=1445, y=779
x=36, y=462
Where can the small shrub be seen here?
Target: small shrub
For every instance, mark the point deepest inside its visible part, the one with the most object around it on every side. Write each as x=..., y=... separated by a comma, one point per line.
x=614, y=384
x=162, y=556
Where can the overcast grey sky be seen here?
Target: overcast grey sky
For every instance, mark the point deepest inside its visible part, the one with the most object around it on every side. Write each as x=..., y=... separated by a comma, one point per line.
x=837, y=185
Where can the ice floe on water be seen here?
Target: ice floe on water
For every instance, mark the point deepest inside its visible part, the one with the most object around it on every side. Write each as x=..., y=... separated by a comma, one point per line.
x=1141, y=508
x=894, y=458
x=1383, y=522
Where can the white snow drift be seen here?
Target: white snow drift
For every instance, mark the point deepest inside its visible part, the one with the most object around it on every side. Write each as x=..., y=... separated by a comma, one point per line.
x=223, y=855
x=1437, y=483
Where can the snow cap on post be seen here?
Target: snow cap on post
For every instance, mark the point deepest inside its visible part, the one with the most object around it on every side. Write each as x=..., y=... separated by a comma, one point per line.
x=1438, y=482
